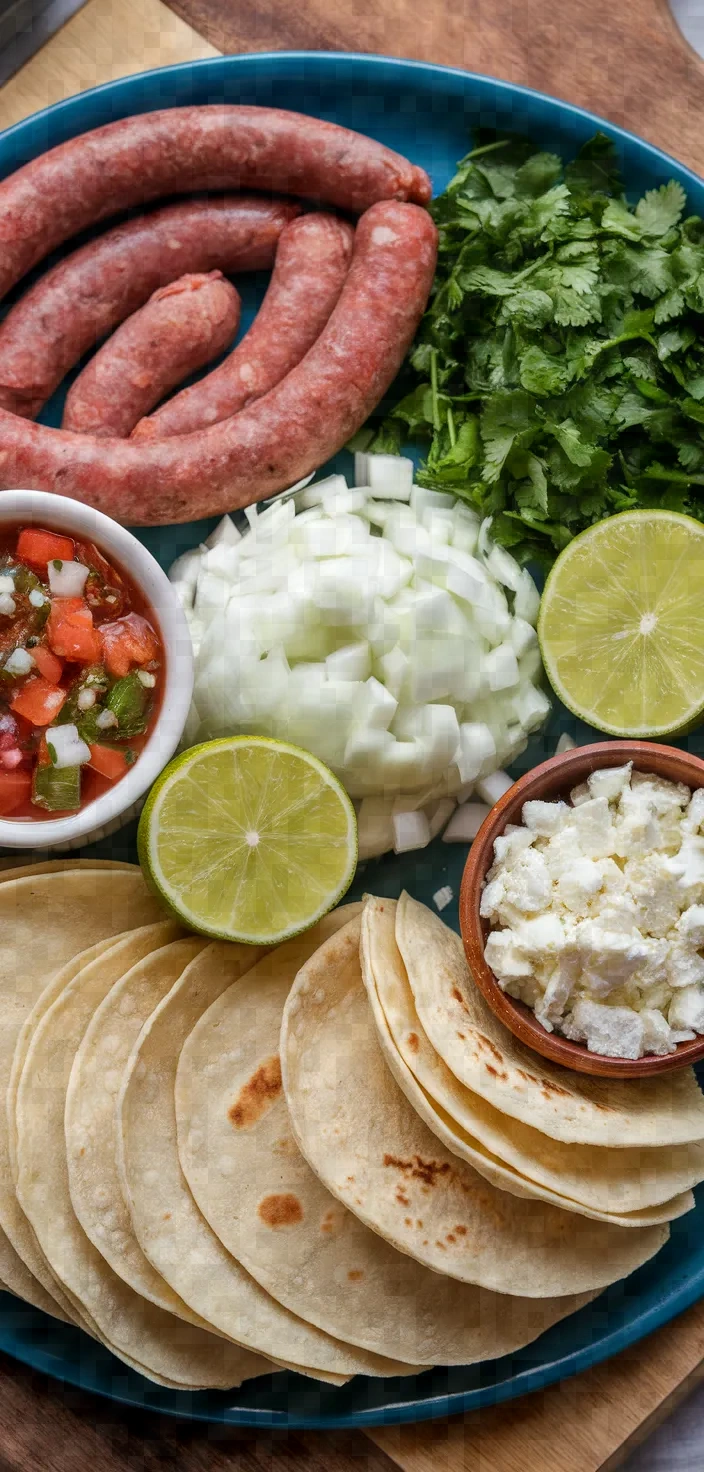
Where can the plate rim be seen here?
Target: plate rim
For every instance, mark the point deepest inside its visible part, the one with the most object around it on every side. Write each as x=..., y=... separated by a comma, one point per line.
x=679, y=1298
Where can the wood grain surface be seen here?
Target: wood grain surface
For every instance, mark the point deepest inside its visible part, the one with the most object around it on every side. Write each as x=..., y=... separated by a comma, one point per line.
x=105, y=40
x=625, y=59
x=46, y=1427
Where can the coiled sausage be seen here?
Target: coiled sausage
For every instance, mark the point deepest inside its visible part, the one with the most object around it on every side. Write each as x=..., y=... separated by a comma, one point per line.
x=86, y=295
x=281, y=437
x=180, y=150
x=182, y=327
x=312, y=261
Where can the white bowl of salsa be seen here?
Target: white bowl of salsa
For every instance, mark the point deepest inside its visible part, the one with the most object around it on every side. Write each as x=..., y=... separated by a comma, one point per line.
x=96, y=671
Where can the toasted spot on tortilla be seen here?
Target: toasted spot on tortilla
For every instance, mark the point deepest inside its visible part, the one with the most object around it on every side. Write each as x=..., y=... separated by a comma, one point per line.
x=413, y=1042
x=496, y=1073
x=482, y=1041
x=355, y=1275
x=461, y=1036
x=426, y=1171
x=457, y=997
x=549, y=1089
x=333, y=1221
x=280, y=1210
x=257, y=1095
x=286, y=1146
x=461, y=1231
x=167, y=1216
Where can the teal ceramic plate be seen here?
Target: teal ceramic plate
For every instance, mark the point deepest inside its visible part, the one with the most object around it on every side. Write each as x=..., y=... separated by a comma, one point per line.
x=427, y=113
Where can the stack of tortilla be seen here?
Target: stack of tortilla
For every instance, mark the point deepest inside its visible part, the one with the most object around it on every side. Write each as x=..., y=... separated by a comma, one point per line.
x=326, y=1158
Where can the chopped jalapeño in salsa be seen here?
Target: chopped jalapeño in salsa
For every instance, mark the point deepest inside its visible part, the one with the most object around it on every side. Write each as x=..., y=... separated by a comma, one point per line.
x=81, y=671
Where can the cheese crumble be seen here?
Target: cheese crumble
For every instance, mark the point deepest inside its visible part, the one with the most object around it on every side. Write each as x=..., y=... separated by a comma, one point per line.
x=597, y=913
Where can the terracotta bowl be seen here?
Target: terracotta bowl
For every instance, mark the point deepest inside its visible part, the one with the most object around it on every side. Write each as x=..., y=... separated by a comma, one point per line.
x=554, y=779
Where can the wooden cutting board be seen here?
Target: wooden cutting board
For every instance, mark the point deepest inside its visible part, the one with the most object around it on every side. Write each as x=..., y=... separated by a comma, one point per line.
x=626, y=60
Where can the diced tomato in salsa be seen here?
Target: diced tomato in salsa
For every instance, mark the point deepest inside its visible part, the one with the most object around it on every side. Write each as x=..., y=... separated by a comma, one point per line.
x=128, y=642
x=73, y=665
x=38, y=701
x=48, y=664
x=39, y=548
x=109, y=761
x=70, y=631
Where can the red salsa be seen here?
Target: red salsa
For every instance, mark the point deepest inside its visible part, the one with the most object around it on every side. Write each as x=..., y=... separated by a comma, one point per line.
x=81, y=670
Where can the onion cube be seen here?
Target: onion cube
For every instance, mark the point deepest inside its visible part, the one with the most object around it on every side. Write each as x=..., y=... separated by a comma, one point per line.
x=527, y=602
x=68, y=748
x=351, y=662
x=477, y=746
x=465, y=822
x=443, y=897
x=67, y=579
x=411, y=831
x=225, y=532
x=439, y=813
x=19, y=662
x=493, y=787
x=394, y=668
x=522, y=636
x=499, y=668
x=565, y=743
x=390, y=477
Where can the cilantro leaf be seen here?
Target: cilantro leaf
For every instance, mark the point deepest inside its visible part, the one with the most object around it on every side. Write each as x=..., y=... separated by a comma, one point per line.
x=557, y=376
x=660, y=209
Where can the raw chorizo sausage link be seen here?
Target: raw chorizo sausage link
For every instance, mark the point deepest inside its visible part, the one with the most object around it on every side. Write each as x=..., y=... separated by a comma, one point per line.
x=312, y=261
x=180, y=150
x=278, y=439
x=182, y=327
x=86, y=295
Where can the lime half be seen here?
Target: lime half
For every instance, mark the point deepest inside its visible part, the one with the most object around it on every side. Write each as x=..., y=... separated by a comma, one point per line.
x=621, y=624
x=248, y=839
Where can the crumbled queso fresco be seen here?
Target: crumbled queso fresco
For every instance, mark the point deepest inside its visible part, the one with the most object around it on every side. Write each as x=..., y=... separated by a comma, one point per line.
x=600, y=904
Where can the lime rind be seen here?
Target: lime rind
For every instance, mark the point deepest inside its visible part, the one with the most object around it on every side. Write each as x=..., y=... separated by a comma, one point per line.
x=195, y=831
x=621, y=624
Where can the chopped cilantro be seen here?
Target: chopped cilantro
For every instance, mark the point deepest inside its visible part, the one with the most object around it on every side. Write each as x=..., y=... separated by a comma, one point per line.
x=558, y=374
x=52, y=752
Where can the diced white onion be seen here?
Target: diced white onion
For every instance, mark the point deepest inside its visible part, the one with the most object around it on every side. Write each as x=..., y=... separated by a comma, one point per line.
x=465, y=822
x=476, y=748
x=7, y=604
x=390, y=477
x=147, y=679
x=86, y=699
x=106, y=720
x=527, y=601
x=315, y=494
x=438, y=814
x=7, y=583
x=499, y=668
x=37, y=598
x=351, y=662
x=374, y=626
x=565, y=743
x=19, y=662
x=69, y=750
x=493, y=787
x=422, y=499
x=443, y=897
x=225, y=532
x=411, y=831
x=67, y=579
